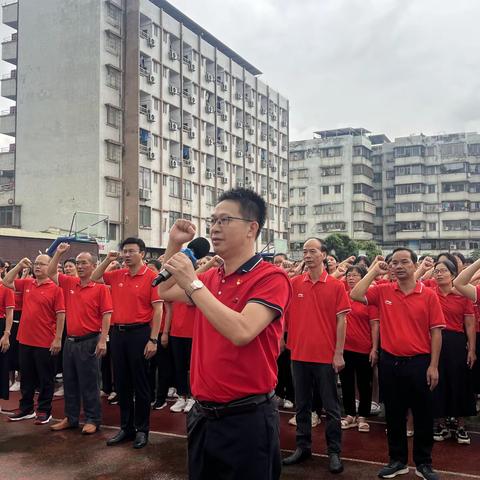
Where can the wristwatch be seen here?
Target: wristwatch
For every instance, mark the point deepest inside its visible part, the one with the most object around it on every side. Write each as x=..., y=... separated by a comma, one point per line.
x=195, y=285
x=153, y=340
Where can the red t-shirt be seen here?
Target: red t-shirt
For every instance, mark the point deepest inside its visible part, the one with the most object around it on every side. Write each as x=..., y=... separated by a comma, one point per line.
x=312, y=317
x=220, y=371
x=7, y=300
x=359, y=332
x=18, y=300
x=182, y=320
x=406, y=320
x=85, y=306
x=132, y=296
x=476, y=310
x=41, y=303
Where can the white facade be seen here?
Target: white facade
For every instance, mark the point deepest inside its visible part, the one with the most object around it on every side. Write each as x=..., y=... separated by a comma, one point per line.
x=131, y=110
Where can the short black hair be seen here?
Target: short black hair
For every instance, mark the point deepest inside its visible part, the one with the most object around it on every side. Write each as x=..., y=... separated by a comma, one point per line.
x=284, y=255
x=323, y=247
x=364, y=258
x=70, y=260
x=252, y=206
x=156, y=263
x=388, y=258
x=469, y=261
x=357, y=268
x=134, y=241
x=413, y=255
x=333, y=256
x=459, y=255
x=449, y=256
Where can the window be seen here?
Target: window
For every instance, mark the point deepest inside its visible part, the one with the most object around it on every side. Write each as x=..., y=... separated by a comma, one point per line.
x=113, y=188
x=474, y=149
x=361, y=151
x=114, y=116
x=363, y=227
x=455, y=225
x=328, y=208
x=113, y=14
x=432, y=226
x=410, y=151
x=114, y=152
x=454, y=187
x=112, y=43
x=330, y=171
x=302, y=228
x=10, y=216
x=432, y=188
x=409, y=170
x=459, y=206
x=452, y=150
x=331, y=227
x=362, y=188
x=174, y=187
x=210, y=195
x=410, y=188
x=173, y=217
x=301, y=210
x=113, y=231
x=390, y=192
x=337, y=189
x=411, y=207
x=187, y=190
x=457, y=167
x=302, y=192
x=145, y=217
x=326, y=189
x=410, y=226
x=145, y=178
x=114, y=77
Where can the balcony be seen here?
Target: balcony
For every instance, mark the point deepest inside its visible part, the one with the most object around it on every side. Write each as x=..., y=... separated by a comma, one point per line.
x=10, y=15
x=7, y=158
x=9, y=49
x=7, y=122
x=9, y=86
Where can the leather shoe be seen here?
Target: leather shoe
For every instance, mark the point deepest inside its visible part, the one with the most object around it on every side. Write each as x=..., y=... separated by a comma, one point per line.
x=141, y=439
x=335, y=464
x=121, y=436
x=298, y=456
x=89, y=428
x=62, y=425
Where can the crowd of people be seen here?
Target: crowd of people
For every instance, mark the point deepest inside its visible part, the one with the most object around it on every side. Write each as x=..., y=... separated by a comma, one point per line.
x=234, y=337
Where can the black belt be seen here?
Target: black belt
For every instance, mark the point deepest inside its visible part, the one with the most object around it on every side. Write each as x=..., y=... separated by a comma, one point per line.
x=247, y=404
x=129, y=326
x=74, y=339
x=405, y=359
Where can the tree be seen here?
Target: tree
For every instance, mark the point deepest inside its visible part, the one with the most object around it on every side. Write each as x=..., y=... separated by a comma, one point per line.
x=370, y=247
x=342, y=245
x=475, y=254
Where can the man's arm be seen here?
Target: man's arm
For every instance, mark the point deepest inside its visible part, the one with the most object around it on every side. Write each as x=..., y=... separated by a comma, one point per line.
x=436, y=347
x=101, y=348
x=338, y=361
x=56, y=345
x=375, y=333
x=150, y=347
x=462, y=282
x=52, y=271
x=97, y=275
x=360, y=289
x=168, y=324
x=12, y=275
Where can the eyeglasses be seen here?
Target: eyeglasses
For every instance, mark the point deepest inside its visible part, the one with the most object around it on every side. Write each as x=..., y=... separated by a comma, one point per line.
x=440, y=271
x=224, y=221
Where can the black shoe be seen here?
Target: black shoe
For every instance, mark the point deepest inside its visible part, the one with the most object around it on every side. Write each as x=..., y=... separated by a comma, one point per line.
x=335, y=464
x=141, y=439
x=121, y=436
x=426, y=472
x=393, y=469
x=298, y=456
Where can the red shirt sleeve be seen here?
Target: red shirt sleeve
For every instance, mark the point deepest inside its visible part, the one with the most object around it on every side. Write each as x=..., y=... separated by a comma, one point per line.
x=59, y=301
x=373, y=312
x=343, y=301
x=20, y=283
x=435, y=312
x=469, y=307
x=274, y=291
x=154, y=296
x=108, y=277
x=65, y=280
x=373, y=295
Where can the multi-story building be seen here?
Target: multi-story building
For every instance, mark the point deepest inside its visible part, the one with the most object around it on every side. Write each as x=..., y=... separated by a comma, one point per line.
x=129, y=109
x=331, y=186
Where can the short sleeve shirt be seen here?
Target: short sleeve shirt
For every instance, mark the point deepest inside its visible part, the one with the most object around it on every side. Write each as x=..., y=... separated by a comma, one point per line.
x=358, y=337
x=7, y=300
x=183, y=316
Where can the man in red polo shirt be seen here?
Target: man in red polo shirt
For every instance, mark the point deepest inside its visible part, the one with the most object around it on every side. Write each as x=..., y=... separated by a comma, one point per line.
x=137, y=312
x=316, y=336
x=39, y=337
x=233, y=428
x=411, y=320
x=89, y=308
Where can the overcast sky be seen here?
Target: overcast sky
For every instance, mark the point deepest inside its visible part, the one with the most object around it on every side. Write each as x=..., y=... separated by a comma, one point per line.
x=391, y=66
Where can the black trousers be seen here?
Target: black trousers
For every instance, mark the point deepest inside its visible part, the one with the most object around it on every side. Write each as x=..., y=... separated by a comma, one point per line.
x=106, y=369
x=476, y=368
x=37, y=369
x=130, y=369
x=13, y=356
x=284, y=388
x=238, y=447
x=182, y=350
x=161, y=373
x=81, y=381
x=4, y=367
x=404, y=386
x=357, y=367
x=308, y=376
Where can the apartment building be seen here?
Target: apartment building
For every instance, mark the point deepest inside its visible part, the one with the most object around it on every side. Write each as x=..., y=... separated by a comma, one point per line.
x=131, y=110
x=331, y=186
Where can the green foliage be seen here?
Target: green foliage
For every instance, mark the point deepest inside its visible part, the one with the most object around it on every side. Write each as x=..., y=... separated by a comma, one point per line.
x=370, y=247
x=475, y=254
x=344, y=246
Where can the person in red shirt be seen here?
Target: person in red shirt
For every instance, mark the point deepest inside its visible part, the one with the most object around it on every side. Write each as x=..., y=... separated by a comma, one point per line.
x=454, y=397
x=316, y=337
x=7, y=304
x=233, y=428
x=137, y=312
x=39, y=336
x=411, y=320
x=88, y=309
x=361, y=354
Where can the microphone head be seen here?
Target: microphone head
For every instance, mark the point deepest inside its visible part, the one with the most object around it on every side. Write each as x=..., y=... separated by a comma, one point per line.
x=200, y=247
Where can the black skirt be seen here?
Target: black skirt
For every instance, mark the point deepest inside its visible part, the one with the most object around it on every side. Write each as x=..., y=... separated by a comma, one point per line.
x=454, y=395
x=4, y=378
x=13, y=359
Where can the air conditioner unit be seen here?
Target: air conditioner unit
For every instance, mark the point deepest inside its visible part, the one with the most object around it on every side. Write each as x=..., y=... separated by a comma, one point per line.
x=191, y=169
x=173, y=90
x=209, y=77
x=284, y=173
x=274, y=117
x=263, y=110
x=263, y=136
x=284, y=123
x=250, y=158
x=173, y=164
x=151, y=155
x=251, y=131
x=239, y=153
x=285, y=225
x=264, y=191
x=284, y=148
x=248, y=181
x=274, y=195
x=192, y=67
x=173, y=126
x=284, y=198
x=150, y=117
x=224, y=117
x=145, y=194
x=208, y=174
x=224, y=87
x=209, y=109
x=239, y=184
x=263, y=163
x=151, y=79
x=224, y=180
x=238, y=96
x=274, y=168
x=224, y=148
x=191, y=100
x=238, y=124
x=220, y=172
x=191, y=134
x=173, y=55
x=274, y=142
x=209, y=141
x=151, y=42
x=187, y=162
x=251, y=103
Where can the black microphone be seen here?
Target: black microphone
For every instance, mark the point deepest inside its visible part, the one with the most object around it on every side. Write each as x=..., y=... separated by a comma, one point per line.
x=197, y=248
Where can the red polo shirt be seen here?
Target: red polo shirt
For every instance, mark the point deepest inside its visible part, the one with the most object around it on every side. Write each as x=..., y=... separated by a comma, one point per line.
x=476, y=310
x=85, y=306
x=406, y=320
x=220, y=371
x=182, y=320
x=312, y=327
x=18, y=300
x=41, y=303
x=7, y=300
x=359, y=332
x=132, y=296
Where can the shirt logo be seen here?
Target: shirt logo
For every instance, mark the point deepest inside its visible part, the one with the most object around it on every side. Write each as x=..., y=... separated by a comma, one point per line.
x=27, y=290
x=120, y=284
x=388, y=302
x=72, y=292
x=300, y=295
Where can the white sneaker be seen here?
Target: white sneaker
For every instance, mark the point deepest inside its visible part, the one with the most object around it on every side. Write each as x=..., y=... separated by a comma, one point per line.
x=189, y=404
x=287, y=404
x=59, y=392
x=172, y=393
x=15, y=387
x=293, y=421
x=111, y=396
x=179, y=405
x=315, y=419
